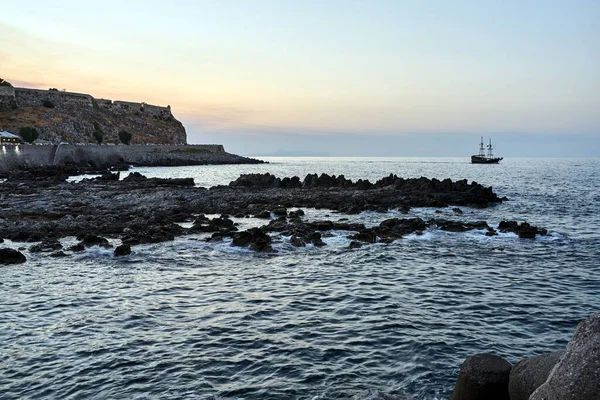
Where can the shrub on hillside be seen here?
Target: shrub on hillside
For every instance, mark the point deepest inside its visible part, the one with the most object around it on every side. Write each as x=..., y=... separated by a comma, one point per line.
x=4, y=83
x=98, y=134
x=125, y=137
x=48, y=104
x=28, y=134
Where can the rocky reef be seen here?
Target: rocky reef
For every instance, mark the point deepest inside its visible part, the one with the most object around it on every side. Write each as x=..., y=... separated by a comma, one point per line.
x=44, y=207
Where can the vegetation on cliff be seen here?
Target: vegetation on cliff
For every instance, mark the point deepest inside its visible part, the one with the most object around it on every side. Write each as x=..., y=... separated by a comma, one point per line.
x=29, y=134
x=4, y=83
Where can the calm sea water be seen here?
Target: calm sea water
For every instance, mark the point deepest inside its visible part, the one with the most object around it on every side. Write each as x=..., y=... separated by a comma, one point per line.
x=189, y=319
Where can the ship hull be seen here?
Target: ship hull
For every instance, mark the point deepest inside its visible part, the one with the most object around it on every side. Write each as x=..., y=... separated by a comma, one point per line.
x=485, y=160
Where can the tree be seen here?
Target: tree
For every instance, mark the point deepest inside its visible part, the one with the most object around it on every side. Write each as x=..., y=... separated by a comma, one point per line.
x=125, y=137
x=28, y=134
x=4, y=83
x=98, y=134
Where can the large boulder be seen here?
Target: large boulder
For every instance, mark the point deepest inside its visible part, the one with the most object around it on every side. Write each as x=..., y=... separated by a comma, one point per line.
x=576, y=376
x=528, y=374
x=483, y=377
x=11, y=256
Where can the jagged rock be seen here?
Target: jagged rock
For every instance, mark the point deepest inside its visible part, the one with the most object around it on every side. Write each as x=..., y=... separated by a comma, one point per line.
x=89, y=240
x=254, y=238
x=483, y=377
x=77, y=247
x=122, y=250
x=152, y=234
x=457, y=226
x=366, y=235
x=524, y=230
x=296, y=214
x=297, y=242
x=280, y=211
x=47, y=245
x=263, y=214
x=528, y=374
x=11, y=256
x=576, y=375
x=457, y=210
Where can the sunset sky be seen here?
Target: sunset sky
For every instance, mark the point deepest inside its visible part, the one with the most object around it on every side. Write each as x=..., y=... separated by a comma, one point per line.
x=422, y=78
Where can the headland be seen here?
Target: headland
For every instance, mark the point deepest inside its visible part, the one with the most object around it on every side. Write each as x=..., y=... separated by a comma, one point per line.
x=78, y=129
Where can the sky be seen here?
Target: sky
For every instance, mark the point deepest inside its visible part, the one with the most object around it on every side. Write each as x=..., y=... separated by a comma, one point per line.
x=342, y=78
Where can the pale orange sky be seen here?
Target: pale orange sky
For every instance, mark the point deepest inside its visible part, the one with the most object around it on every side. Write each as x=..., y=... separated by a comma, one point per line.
x=383, y=67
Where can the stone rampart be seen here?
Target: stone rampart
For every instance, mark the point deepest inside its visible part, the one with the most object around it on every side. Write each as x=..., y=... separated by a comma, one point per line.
x=38, y=98
x=12, y=157
x=21, y=97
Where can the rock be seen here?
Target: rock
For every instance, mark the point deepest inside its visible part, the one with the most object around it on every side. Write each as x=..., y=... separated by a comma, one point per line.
x=483, y=377
x=58, y=254
x=297, y=242
x=47, y=245
x=253, y=238
x=89, y=240
x=122, y=250
x=296, y=214
x=355, y=245
x=280, y=211
x=491, y=232
x=263, y=214
x=11, y=256
x=457, y=210
x=77, y=247
x=366, y=235
x=524, y=230
x=576, y=376
x=528, y=374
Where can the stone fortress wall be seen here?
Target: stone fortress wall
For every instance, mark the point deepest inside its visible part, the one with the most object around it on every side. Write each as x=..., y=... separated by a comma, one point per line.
x=25, y=155
x=11, y=97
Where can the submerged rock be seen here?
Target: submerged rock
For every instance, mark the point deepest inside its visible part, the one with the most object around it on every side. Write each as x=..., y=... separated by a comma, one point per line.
x=483, y=377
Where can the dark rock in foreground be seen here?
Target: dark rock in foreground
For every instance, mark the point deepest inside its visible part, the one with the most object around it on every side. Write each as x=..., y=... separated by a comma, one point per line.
x=528, y=374
x=122, y=250
x=10, y=256
x=576, y=375
x=483, y=377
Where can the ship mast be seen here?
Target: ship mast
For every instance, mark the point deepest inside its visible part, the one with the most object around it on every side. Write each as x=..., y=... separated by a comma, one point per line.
x=490, y=150
x=481, y=149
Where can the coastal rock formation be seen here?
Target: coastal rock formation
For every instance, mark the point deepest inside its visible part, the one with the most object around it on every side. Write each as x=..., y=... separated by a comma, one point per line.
x=483, y=377
x=79, y=118
x=576, y=375
x=11, y=256
x=140, y=210
x=528, y=374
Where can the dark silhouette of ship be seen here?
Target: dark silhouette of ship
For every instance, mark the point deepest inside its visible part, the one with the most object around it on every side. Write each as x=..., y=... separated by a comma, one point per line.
x=482, y=157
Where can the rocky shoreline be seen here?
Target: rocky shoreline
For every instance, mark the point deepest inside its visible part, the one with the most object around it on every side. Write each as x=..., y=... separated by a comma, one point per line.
x=41, y=206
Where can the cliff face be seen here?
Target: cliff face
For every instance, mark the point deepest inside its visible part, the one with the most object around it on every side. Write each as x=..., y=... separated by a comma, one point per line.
x=80, y=118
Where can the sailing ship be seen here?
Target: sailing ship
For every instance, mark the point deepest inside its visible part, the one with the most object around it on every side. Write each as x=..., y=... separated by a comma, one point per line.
x=482, y=157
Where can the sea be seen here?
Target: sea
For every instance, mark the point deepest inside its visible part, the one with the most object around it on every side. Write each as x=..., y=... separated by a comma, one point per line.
x=190, y=319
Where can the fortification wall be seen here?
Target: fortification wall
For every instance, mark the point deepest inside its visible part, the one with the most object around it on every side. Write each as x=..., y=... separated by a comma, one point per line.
x=12, y=157
x=36, y=98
